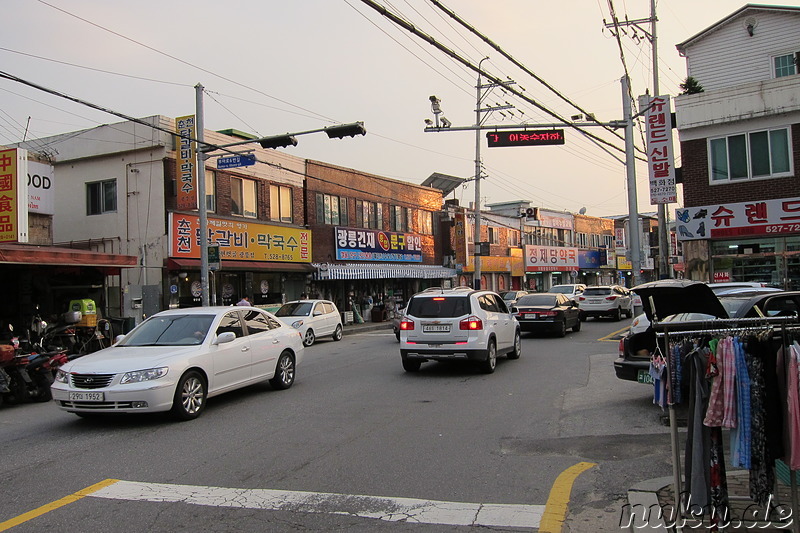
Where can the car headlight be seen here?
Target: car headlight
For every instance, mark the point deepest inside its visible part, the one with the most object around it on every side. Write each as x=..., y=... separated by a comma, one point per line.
x=138, y=376
x=61, y=376
x=297, y=324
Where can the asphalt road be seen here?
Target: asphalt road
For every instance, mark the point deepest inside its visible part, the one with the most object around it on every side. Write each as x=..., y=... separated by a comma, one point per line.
x=357, y=444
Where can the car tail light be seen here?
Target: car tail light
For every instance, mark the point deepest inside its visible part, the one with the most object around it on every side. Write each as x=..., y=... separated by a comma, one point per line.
x=548, y=313
x=472, y=323
x=621, y=347
x=407, y=325
x=581, y=298
x=611, y=298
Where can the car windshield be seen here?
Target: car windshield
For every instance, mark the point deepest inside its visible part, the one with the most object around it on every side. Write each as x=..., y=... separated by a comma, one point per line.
x=509, y=296
x=441, y=307
x=295, y=309
x=171, y=330
x=563, y=289
x=597, y=291
x=537, y=299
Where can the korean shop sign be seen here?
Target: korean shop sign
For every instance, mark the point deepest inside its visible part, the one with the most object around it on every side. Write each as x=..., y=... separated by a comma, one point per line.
x=550, y=258
x=763, y=217
x=660, y=155
x=14, y=195
x=239, y=240
x=186, y=161
x=358, y=244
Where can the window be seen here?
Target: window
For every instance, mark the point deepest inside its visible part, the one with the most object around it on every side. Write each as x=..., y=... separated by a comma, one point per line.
x=256, y=322
x=369, y=215
x=513, y=237
x=494, y=235
x=230, y=322
x=785, y=65
x=331, y=209
x=400, y=218
x=582, y=240
x=101, y=197
x=243, y=197
x=426, y=222
x=211, y=191
x=757, y=154
x=280, y=203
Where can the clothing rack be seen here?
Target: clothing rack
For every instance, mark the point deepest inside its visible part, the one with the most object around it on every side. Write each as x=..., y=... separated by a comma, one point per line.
x=717, y=326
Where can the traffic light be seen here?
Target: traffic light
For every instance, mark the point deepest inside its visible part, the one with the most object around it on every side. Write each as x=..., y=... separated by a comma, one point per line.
x=346, y=130
x=277, y=141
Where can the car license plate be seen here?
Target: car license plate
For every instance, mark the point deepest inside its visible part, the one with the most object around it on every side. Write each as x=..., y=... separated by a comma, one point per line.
x=436, y=328
x=86, y=396
x=595, y=301
x=531, y=315
x=644, y=376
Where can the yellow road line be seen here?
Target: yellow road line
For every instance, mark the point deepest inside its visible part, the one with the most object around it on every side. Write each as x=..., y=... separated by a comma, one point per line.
x=66, y=500
x=608, y=338
x=555, y=512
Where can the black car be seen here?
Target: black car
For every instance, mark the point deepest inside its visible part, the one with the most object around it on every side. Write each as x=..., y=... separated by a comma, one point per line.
x=633, y=363
x=547, y=311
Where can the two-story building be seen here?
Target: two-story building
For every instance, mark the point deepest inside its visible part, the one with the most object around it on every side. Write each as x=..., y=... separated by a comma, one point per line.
x=740, y=145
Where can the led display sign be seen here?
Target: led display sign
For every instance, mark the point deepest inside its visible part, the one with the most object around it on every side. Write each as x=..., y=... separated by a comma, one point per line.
x=525, y=138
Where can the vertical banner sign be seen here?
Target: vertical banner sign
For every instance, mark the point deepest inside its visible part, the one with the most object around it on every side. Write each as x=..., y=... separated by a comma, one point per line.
x=186, y=160
x=14, y=195
x=660, y=155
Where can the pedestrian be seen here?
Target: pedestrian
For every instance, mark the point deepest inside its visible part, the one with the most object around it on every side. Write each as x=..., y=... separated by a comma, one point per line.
x=244, y=301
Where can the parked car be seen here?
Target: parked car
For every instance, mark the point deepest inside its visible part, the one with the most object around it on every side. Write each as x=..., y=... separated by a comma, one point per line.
x=606, y=300
x=571, y=290
x=511, y=297
x=636, y=347
x=547, y=311
x=177, y=359
x=312, y=318
x=460, y=324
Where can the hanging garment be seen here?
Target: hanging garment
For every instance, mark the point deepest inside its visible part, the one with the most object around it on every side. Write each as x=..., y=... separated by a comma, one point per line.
x=697, y=456
x=719, y=481
x=714, y=371
x=793, y=407
x=741, y=434
x=762, y=472
x=729, y=375
x=658, y=371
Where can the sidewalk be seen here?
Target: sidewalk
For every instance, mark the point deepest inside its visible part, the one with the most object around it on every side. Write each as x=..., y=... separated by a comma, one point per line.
x=366, y=326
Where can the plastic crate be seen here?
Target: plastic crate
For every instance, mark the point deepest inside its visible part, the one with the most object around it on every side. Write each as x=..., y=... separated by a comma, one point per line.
x=87, y=321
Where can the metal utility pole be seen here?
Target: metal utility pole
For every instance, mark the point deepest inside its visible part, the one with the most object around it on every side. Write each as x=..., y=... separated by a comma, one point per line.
x=201, y=193
x=476, y=281
x=634, y=244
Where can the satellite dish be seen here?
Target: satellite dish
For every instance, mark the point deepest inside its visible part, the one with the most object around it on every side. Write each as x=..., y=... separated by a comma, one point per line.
x=582, y=211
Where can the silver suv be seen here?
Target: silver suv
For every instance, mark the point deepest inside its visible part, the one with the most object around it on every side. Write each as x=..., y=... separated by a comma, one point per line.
x=458, y=324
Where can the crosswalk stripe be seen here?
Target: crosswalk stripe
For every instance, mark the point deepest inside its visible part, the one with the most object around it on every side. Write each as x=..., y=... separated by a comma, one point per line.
x=389, y=509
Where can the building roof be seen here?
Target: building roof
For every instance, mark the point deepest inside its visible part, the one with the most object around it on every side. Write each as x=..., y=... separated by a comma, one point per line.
x=747, y=7
x=443, y=182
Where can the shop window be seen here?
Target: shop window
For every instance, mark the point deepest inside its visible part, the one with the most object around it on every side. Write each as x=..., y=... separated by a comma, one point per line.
x=280, y=204
x=785, y=65
x=756, y=154
x=331, y=209
x=211, y=191
x=101, y=197
x=243, y=197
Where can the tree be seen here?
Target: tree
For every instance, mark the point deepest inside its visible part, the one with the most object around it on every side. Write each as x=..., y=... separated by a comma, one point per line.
x=691, y=86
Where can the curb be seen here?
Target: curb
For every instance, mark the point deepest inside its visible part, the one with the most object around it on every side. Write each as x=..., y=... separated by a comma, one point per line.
x=360, y=328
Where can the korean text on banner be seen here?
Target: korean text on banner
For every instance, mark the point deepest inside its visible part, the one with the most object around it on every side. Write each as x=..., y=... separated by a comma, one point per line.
x=13, y=195
x=186, y=160
x=660, y=155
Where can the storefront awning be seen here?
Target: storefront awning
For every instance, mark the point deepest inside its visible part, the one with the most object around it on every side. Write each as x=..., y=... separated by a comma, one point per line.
x=274, y=266
x=326, y=271
x=28, y=254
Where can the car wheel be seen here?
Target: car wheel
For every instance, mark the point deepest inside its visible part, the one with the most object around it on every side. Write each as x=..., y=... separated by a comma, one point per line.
x=190, y=396
x=411, y=365
x=629, y=313
x=488, y=366
x=517, y=351
x=617, y=314
x=308, y=338
x=577, y=327
x=284, y=372
x=562, y=328
x=337, y=335
x=582, y=316
x=397, y=334
x=43, y=393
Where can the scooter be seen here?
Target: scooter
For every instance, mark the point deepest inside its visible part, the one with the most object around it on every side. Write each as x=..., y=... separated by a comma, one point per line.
x=27, y=375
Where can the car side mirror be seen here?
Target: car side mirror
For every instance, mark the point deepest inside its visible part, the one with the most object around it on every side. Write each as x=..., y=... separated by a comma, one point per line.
x=514, y=310
x=225, y=337
x=118, y=338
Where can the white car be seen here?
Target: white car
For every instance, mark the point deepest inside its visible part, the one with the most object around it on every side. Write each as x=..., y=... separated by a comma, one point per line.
x=312, y=318
x=606, y=300
x=572, y=290
x=177, y=359
x=458, y=324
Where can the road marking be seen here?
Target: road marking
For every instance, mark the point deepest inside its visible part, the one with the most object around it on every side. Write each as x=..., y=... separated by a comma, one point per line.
x=608, y=338
x=66, y=500
x=556, y=509
x=376, y=507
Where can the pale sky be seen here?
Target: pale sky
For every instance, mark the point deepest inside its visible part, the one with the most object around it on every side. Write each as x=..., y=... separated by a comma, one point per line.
x=272, y=67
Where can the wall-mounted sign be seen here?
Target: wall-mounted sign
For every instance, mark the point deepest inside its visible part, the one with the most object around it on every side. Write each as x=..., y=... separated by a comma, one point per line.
x=550, y=258
x=525, y=138
x=186, y=161
x=763, y=217
x=660, y=155
x=358, y=244
x=240, y=240
x=41, y=185
x=13, y=195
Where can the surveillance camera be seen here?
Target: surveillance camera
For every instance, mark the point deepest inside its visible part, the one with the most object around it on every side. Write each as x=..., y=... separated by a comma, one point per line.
x=446, y=123
x=433, y=98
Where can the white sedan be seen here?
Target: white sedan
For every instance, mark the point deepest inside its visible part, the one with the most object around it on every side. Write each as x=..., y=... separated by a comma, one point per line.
x=177, y=359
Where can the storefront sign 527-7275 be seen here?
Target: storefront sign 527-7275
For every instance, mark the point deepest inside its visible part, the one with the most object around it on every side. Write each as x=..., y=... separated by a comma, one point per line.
x=739, y=219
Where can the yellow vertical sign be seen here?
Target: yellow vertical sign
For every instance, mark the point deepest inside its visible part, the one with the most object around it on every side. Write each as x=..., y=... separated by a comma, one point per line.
x=13, y=210
x=186, y=161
